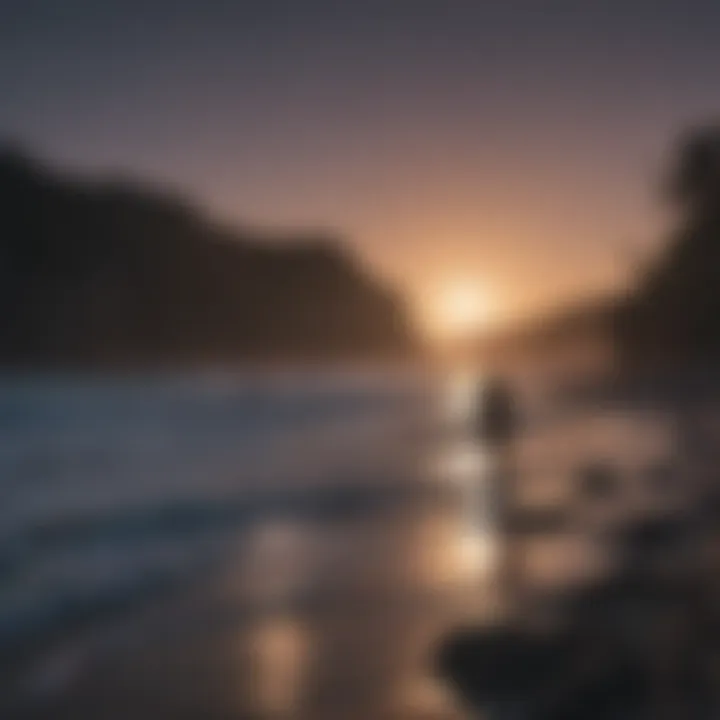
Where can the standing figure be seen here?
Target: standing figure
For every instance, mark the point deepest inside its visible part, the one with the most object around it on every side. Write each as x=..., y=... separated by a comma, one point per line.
x=495, y=430
x=496, y=420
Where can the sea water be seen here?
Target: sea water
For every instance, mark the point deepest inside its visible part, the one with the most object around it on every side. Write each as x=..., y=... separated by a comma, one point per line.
x=111, y=489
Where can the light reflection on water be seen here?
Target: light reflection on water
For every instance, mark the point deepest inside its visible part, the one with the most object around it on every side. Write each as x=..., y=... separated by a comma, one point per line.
x=459, y=395
x=452, y=545
x=469, y=470
x=279, y=659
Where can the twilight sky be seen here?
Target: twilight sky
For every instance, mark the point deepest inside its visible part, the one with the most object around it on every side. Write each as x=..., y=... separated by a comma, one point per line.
x=505, y=144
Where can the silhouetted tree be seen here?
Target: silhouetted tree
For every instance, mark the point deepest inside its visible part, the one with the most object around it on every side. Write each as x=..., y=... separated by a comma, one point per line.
x=695, y=177
x=674, y=314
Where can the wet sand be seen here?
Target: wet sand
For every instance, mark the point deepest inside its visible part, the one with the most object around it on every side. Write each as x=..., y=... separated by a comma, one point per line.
x=341, y=619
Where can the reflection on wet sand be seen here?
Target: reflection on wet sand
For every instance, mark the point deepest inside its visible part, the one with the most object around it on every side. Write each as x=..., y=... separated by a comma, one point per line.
x=467, y=529
x=468, y=470
x=278, y=654
x=325, y=618
x=390, y=586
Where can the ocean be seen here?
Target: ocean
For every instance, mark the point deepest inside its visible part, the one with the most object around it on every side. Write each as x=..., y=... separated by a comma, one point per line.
x=110, y=490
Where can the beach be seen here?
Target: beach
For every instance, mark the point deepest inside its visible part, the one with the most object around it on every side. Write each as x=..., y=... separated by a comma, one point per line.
x=324, y=590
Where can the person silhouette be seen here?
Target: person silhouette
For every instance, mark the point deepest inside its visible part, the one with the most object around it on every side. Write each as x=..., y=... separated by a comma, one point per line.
x=496, y=420
x=496, y=427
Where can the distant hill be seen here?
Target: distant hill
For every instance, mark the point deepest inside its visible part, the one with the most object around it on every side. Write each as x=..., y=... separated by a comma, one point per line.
x=96, y=273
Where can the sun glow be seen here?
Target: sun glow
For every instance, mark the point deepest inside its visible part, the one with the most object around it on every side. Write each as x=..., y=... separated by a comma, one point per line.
x=461, y=310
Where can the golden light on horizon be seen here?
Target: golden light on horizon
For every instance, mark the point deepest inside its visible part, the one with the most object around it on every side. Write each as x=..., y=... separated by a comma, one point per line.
x=461, y=310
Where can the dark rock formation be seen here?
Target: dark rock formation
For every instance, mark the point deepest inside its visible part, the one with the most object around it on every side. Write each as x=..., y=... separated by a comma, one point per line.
x=98, y=273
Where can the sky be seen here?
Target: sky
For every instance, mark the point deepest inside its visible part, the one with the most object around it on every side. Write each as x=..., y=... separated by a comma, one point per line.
x=510, y=147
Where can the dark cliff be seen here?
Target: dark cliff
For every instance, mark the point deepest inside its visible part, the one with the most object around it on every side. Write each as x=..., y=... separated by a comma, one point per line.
x=101, y=273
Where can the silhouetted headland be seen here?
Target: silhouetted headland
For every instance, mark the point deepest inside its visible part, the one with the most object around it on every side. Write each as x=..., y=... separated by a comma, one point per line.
x=669, y=317
x=97, y=273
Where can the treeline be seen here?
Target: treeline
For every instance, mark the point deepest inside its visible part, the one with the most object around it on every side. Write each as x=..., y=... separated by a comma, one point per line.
x=115, y=273
x=673, y=313
x=670, y=315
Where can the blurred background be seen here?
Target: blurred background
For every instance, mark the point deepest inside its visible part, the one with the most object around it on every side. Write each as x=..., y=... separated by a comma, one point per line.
x=359, y=359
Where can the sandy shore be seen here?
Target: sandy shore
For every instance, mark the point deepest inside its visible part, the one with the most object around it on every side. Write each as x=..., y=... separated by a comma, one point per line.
x=341, y=619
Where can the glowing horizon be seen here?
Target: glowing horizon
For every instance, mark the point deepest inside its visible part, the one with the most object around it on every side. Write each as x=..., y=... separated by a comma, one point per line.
x=431, y=138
